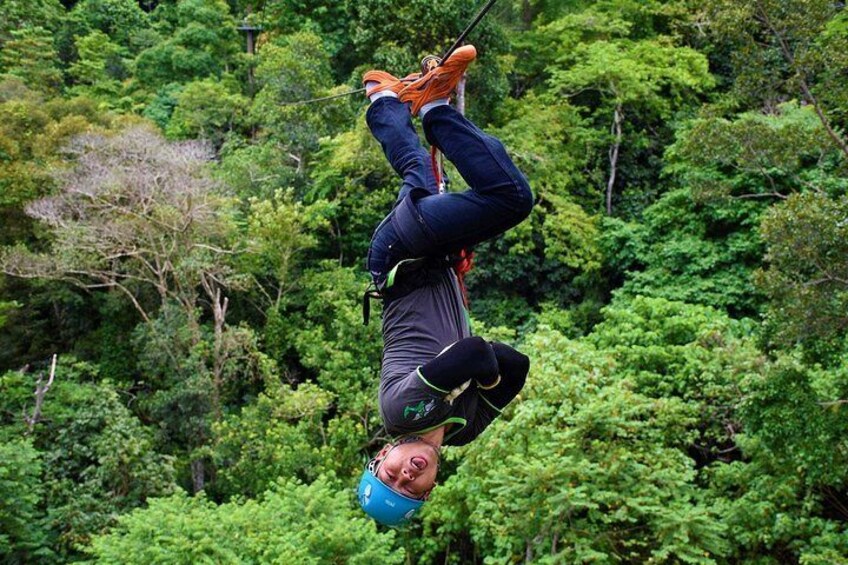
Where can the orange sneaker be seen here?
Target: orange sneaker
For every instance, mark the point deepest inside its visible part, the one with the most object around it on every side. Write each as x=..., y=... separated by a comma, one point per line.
x=387, y=82
x=441, y=81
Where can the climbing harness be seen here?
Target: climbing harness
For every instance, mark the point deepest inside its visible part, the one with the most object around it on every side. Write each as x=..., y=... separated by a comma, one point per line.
x=410, y=274
x=456, y=44
x=406, y=276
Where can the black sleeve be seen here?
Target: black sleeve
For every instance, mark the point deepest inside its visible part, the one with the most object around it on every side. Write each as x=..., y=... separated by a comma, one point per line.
x=513, y=367
x=469, y=358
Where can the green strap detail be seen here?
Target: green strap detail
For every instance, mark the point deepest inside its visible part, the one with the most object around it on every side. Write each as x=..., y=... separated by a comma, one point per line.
x=428, y=383
x=462, y=422
x=495, y=408
x=455, y=420
x=390, y=278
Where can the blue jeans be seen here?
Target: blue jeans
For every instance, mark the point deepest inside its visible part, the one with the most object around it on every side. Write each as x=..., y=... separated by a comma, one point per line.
x=424, y=223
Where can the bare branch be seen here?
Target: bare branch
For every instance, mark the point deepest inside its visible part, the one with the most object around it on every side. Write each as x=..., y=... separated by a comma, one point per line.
x=41, y=390
x=760, y=195
x=134, y=208
x=833, y=403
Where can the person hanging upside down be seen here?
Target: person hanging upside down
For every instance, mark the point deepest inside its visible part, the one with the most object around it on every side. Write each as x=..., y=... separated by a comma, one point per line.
x=439, y=385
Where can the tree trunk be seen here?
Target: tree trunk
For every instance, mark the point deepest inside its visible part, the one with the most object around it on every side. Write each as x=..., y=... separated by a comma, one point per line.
x=618, y=118
x=460, y=96
x=198, y=475
x=219, y=355
x=251, y=50
x=526, y=14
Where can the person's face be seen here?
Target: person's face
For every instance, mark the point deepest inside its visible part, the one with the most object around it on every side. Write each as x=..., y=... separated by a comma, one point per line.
x=409, y=468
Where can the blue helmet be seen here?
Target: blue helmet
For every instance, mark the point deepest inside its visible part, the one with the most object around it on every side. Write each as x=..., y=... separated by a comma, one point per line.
x=385, y=505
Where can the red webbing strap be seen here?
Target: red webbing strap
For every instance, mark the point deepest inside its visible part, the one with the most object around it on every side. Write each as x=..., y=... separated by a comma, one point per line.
x=462, y=266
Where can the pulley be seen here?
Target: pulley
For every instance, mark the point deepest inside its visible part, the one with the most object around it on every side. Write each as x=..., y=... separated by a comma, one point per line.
x=429, y=63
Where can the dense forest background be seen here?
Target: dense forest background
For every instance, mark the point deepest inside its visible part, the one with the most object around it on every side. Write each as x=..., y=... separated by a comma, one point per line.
x=190, y=245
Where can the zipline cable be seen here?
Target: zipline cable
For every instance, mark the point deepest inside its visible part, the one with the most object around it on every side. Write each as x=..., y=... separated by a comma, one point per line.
x=456, y=44
x=483, y=11
x=321, y=99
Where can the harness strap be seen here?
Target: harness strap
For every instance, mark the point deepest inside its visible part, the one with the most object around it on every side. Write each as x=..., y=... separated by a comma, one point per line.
x=371, y=293
x=379, y=292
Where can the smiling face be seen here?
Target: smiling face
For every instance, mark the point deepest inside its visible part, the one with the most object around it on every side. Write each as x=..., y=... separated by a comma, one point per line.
x=409, y=468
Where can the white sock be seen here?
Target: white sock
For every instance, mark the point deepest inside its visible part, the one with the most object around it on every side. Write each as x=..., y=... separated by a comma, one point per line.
x=377, y=95
x=430, y=105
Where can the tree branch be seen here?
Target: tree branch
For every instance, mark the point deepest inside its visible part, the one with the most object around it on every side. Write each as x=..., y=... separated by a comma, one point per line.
x=789, y=56
x=618, y=117
x=40, y=392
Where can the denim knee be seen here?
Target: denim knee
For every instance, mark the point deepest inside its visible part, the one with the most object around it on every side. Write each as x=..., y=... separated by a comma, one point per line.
x=385, y=250
x=525, y=196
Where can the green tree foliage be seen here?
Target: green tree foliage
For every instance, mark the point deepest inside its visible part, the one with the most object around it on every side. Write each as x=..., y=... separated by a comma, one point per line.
x=32, y=136
x=583, y=461
x=37, y=19
x=331, y=339
x=208, y=110
x=5, y=308
x=646, y=78
x=830, y=56
x=257, y=169
x=677, y=350
x=293, y=69
x=687, y=395
x=120, y=20
x=29, y=54
x=544, y=258
x=282, y=230
x=351, y=171
x=22, y=528
x=757, y=156
x=787, y=498
x=702, y=253
x=293, y=522
x=797, y=414
x=24, y=14
x=160, y=107
x=806, y=274
x=700, y=242
x=99, y=67
x=290, y=16
x=161, y=241
x=97, y=458
x=281, y=435
x=780, y=48
x=201, y=38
